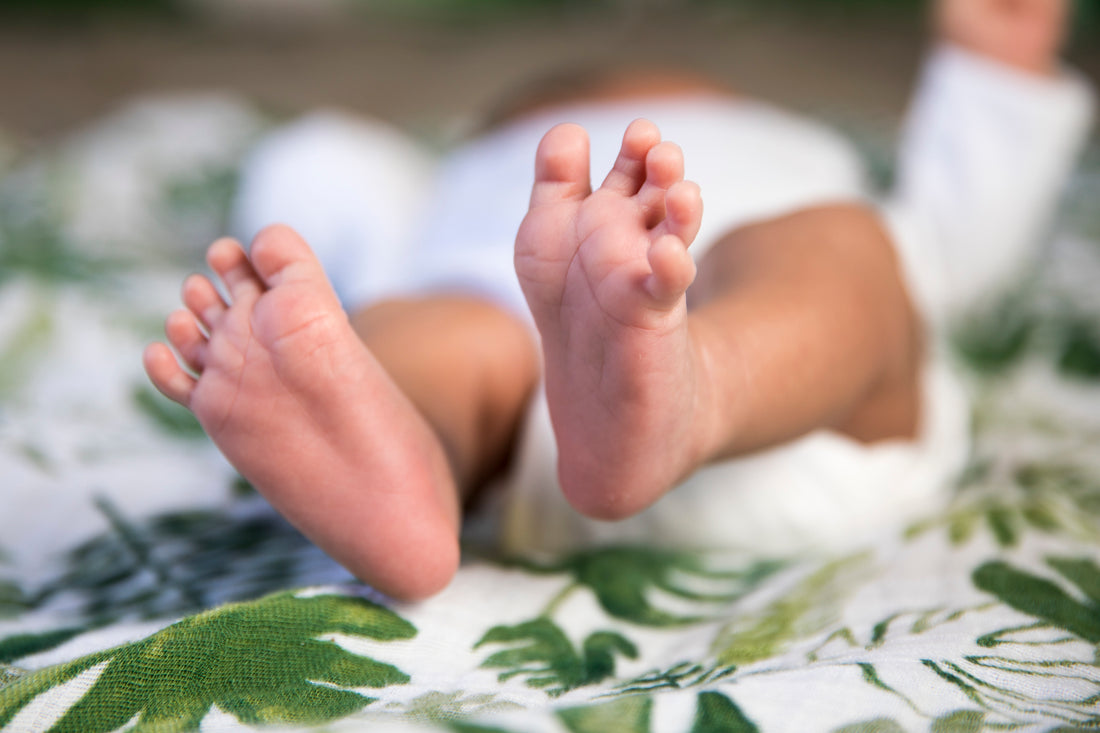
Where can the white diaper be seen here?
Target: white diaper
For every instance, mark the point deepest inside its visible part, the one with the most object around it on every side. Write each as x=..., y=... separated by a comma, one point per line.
x=822, y=492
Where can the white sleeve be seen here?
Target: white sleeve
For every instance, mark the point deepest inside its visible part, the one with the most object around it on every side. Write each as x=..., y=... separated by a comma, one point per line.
x=985, y=154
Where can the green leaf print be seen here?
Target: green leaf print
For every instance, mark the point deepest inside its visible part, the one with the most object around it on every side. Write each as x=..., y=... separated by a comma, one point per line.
x=547, y=657
x=994, y=338
x=472, y=728
x=22, y=350
x=716, y=713
x=457, y=709
x=264, y=662
x=36, y=246
x=676, y=677
x=622, y=579
x=1082, y=572
x=809, y=608
x=1043, y=599
x=206, y=195
x=12, y=600
x=599, y=651
x=179, y=563
x=22, y=645
x=1080, y=350
x=625, y=715
x=1003, y=524
x=1053, y=498
x=8, y=673
x=1067, y=494
x=959, y=721
x=878, y=725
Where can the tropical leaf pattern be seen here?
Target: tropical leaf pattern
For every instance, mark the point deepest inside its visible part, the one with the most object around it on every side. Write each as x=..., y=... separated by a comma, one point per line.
x=262, y=662
x=143, y=586
x=540, y=650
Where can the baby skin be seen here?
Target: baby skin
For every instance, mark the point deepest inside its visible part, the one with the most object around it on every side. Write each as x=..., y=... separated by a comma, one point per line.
x=291, y=396
x=369, y=452
x=369, y=433
x=605, y=274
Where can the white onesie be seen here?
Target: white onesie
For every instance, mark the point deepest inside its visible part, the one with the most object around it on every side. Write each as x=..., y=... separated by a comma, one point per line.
x=985, y=153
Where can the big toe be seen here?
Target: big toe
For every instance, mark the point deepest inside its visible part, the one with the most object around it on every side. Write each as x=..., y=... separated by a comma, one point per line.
x=279, y=254
x=561, y=166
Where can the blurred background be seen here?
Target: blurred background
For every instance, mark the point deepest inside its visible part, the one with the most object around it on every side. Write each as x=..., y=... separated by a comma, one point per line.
x=436, y=65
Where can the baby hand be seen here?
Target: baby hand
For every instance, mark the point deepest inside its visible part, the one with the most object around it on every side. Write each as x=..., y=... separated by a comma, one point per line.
x=1025, y=34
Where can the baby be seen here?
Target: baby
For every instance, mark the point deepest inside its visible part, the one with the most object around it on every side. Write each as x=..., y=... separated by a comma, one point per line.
x=807, y=315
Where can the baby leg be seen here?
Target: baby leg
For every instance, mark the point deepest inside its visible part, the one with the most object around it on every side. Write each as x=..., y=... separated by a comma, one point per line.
x=468, y=365
x=807, y=324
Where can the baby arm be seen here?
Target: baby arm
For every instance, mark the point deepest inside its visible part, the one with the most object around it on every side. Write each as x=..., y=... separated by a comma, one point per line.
x=1024, y=34
x=991, y=136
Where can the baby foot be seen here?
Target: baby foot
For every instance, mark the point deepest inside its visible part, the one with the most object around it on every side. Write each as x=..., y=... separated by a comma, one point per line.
x=605, y=274
x=298, y=405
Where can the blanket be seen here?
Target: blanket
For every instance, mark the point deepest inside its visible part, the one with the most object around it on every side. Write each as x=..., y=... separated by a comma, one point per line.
x=144, y=586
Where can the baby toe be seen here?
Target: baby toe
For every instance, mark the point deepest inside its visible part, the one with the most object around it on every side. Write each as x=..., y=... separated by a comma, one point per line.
x=683, y=211
x=184, y=335
x=203, y=300
x=628, y=174
x=229, y=261
x=166, y=375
